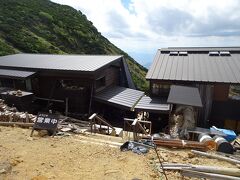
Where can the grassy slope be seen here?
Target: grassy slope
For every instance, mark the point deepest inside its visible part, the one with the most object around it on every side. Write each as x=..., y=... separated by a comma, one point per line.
x=41, y=26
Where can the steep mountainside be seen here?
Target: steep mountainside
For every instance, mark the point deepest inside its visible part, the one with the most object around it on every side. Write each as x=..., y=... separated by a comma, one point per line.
x=41, y=26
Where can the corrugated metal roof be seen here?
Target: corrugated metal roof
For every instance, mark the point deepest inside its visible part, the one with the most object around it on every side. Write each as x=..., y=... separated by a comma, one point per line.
x=131, y=99
x=198, y=67
x=15, y=74
x=151, y=104
x=57, y=62
x=203, y=49
x=185, y=96
x=119, y=96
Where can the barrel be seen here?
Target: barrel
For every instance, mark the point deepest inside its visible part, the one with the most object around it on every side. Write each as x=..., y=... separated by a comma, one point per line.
x=208, y=141
x=223, y=145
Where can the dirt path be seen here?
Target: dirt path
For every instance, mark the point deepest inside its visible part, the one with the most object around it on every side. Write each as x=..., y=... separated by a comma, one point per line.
x=84, y=157
x=67, y=158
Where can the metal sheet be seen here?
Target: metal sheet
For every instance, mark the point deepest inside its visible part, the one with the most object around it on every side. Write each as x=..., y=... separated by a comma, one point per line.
x=57, y=62
x=119, y=96
x=151, y=104
x=197, y=66
x=15, y=74
x=185, y=96
x=201, y=49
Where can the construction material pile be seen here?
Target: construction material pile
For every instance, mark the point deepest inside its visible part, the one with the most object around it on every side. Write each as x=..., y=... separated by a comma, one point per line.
x=8, y=114
x=183, y=119
x=206, y=171
x=68, y=124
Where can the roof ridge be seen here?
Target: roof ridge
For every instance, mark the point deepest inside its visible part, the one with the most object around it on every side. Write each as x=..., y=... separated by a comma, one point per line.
x=67, y=54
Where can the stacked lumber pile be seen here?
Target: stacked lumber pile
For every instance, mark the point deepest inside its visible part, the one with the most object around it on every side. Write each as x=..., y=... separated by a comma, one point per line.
x=209, y=172
x=8, y=114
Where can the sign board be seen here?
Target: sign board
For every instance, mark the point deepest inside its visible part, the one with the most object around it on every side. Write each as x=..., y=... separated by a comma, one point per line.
x=47, y=122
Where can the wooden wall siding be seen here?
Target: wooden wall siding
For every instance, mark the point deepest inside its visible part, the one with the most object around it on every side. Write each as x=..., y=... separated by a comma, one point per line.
x=206, y=94
x=46, y=85
x=232, y=124
x=111, y=75
x=79, y=100
x=221, y=92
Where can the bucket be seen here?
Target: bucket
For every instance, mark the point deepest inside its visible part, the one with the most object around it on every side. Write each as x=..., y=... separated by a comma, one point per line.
x=223, y=145
x=208, y=141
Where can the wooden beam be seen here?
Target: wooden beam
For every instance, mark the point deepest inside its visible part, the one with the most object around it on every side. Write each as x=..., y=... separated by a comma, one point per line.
x=16, y=124
x=140, y=126
x=212, y=176
x=92, y=116
x=104, y=121
x=47, y=99
x=219, y=157
x=134, y=122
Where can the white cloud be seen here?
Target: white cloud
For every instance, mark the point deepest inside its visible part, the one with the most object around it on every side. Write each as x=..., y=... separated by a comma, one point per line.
x=150, y=24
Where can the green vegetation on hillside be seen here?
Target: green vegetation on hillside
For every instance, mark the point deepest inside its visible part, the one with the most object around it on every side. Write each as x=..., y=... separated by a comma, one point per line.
x=41, y=26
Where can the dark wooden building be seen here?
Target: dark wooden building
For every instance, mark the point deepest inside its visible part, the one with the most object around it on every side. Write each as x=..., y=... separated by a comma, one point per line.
x=67, y=81
x=211, y=70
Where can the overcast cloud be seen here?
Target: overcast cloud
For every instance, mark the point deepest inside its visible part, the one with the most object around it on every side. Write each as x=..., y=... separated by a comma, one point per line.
x=143, y=26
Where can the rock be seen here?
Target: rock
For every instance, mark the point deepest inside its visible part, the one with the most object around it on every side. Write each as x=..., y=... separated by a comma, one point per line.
x=191, y=155
x=54, y=145
x=15, y=162
x=5, y=167
x=153, y=175
x=111, y=171
x=42, y=133
x=195, y=161
x=151, y=158
x=29, y=139
x=39, y=178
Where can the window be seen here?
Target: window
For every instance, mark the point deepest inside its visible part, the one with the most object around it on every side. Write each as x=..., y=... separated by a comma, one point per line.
x=225, y=53
x=71, y=85
x=160, y=89
x=213, y=53
x=173, y=53
x=7, y=83
x=100, y=82
x=20, y=84
x=28, y=85
x=183, y=53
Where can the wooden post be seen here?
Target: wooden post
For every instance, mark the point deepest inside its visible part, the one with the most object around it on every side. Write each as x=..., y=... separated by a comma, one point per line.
x=90, y=103
x=66, y=106
x=27, y=117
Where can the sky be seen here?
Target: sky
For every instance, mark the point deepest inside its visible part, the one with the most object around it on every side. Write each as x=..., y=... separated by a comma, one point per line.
x=140, y=27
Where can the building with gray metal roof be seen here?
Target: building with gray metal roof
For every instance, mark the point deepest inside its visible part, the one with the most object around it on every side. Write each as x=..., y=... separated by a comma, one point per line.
x=196, y=66
x=71, y=79
x=64, y=62
x=208, y=71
